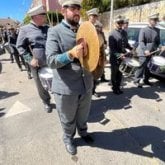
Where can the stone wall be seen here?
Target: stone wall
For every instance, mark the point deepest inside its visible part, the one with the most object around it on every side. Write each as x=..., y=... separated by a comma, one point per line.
x=135, y=14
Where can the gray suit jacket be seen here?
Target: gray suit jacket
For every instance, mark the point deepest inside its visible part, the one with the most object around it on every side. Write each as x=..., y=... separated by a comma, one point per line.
x=35, y=37
x=149, y=39
x=68, y=76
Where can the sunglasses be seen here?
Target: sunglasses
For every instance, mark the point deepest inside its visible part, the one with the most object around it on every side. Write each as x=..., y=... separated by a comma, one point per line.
x=94, y=15
x=155, y=19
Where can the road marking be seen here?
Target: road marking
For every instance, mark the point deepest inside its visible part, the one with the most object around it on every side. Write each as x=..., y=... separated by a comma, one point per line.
x=17, y=108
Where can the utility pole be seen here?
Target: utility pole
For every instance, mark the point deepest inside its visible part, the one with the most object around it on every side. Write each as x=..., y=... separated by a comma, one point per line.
x=111, y=15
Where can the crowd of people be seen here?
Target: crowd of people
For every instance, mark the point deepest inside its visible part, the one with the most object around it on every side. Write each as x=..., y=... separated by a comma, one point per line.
x=36, y=46
x=8, y=40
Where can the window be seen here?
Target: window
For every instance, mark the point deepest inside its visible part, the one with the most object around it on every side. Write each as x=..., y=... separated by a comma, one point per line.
x=133, y=34
x=162, y=37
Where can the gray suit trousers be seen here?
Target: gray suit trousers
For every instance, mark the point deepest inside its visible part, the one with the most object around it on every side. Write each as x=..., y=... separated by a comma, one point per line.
x=73, y=112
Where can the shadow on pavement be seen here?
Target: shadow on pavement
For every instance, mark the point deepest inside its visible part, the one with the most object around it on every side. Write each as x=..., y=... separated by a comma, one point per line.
x=118, y=102
x=4, y=95
x=4, y=59
x=161, y=84
x=1, y=109
x=146, y=92
x=2, y=114
x=146, y=141
x=98, y=107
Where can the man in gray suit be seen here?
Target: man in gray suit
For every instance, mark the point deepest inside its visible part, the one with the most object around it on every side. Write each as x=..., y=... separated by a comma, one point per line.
x=31, y=45
x=149, y=40
x=72, y=85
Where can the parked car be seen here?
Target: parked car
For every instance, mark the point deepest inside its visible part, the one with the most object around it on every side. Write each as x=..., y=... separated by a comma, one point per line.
x=157, y=64
x=134, y=29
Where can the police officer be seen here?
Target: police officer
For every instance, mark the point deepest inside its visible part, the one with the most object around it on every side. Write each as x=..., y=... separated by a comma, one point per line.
x=117, y=43
x=31, y=45
x=149, y=40
x=72, y=85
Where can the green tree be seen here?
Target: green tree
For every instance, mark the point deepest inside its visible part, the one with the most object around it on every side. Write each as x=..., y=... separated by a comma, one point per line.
x=105, y=6
x=89, y=4
x=102, y=5
x=26, y=19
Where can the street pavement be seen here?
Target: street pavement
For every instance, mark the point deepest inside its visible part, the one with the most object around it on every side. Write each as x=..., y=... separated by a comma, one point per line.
x=128, y=129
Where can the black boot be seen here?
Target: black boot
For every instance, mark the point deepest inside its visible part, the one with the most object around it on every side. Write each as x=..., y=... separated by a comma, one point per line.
x=21, y=68
x=12, y=58
x=116, y=90
x=96, y=94
x=71, y=148
x=29, y=76
x=47, y=107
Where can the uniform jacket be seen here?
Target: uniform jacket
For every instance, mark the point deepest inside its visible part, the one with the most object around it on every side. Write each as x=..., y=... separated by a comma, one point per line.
x=69, y=77
x=149, y=39
x=35, y=37
x=12, y=39
x=118, y=41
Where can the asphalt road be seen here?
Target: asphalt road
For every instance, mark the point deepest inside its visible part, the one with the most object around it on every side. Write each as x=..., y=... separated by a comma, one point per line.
x=128, y=129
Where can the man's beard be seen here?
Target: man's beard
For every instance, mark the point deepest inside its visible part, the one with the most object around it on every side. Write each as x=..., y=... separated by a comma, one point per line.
x=72, y=22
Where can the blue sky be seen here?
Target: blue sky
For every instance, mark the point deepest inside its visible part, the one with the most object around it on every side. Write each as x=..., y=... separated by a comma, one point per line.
x=15, y=9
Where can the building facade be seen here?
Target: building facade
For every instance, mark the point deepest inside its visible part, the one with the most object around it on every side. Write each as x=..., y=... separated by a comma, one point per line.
x=8, y=22
x=51, y=5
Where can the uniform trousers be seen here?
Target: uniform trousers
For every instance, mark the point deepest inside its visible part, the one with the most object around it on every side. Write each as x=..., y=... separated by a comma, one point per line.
x=142, y=72
x=19, y=59
x=73, y=112
x=94, y=86
x=7, y=47
x=43, y=93
x=116, y=77
x=28, y=68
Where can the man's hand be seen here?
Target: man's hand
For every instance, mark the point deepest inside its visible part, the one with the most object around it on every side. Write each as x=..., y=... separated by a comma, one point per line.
x=122, y=56
x=162, y=48
x=85, y=47
x=34, y=62
x=77, y=51
x=147, y=53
